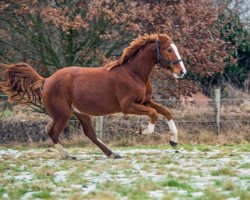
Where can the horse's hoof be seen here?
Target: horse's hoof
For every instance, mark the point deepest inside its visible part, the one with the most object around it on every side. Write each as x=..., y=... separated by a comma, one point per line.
x=68, y=157
x=173, y=144
x=115, y=156
x=177, y=151
x=73, y=158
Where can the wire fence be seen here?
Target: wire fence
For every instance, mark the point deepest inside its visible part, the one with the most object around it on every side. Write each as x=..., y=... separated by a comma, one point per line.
x=193, y=115
x=233, y=115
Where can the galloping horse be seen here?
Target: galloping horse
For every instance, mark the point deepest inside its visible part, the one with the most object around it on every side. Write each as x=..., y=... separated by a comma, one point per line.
x=121, y=86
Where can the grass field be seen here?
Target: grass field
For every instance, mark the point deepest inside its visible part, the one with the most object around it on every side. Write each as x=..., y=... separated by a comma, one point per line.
x=144, y=172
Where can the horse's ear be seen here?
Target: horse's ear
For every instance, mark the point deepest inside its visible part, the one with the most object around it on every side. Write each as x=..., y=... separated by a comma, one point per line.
x=164, y=39
x=161, y=38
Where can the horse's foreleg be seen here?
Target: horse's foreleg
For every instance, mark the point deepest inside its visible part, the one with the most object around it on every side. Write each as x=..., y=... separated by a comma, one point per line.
x=166, y=112
x=140, y=109
x=88, y=130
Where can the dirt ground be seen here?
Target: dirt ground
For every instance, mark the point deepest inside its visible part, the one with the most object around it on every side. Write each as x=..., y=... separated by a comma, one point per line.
x=144, y=172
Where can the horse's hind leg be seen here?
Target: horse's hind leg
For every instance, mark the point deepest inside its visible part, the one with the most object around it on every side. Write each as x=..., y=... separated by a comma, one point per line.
x=60, y=119
x=88, y=130
x=57, y=127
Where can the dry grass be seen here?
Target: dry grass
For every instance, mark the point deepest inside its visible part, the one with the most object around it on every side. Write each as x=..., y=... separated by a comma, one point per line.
x=208, y=138
x=196, y=125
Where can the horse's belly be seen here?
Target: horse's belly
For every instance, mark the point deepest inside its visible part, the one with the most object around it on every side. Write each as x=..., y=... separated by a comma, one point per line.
x=95, y=103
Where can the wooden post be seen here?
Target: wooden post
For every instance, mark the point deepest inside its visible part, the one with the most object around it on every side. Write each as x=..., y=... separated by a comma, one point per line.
x=99, y=127
x=217, y=109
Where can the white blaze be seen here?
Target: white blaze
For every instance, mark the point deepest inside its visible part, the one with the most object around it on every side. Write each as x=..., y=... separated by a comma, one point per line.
x=178, y=57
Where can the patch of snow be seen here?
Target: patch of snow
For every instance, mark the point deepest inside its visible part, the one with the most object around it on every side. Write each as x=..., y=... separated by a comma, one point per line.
x=197, y=194
x=233, y=198
x=89, y=189
x=5, y=196
x=89, y=173
x=10, y=152
x=76, y=186
x=225, y=160
x=24, y=176
x=103, y=177
x=177, y=191
x=141, y=151
x=126, y=181
x=202, y=185
x=158, y=194
x=136, y=165
x=28, y=196
x=61, y=176
x=50, y=163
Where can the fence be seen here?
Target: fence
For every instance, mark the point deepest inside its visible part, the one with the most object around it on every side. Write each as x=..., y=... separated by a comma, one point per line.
x=214, y=115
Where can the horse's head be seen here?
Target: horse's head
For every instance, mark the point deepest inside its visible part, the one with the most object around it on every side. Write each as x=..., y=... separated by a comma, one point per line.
x=168, y=56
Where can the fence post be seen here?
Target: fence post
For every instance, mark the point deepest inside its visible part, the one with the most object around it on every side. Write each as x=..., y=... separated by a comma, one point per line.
x=99, y=126
x=217, y=109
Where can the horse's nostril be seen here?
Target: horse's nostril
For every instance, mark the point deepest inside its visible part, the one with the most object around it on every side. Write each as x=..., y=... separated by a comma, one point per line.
x=181, y=72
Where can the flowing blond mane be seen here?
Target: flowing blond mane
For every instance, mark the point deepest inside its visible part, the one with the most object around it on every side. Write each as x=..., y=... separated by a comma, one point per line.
x=136, y=44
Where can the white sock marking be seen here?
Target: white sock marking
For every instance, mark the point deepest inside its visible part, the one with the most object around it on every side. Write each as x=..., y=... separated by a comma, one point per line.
x=61, y=150
x=150, y=129
x=178, y=57
x=173, y=129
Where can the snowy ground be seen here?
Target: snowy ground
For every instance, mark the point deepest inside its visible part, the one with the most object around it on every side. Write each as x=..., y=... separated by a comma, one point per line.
x=197, y=172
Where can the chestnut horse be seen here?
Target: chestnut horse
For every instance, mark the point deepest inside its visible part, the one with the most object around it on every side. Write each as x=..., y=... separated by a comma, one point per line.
x=121, y=86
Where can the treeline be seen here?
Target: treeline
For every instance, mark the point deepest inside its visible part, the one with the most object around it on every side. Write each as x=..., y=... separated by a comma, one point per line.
x=53, y=34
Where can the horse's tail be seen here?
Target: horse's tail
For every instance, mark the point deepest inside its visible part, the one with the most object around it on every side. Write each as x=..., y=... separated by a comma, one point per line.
x=21, y=83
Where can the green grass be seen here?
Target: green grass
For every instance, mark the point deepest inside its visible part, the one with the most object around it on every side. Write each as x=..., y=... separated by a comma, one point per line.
x=2, y=191
x=245, y=165
x=132, y=192
x=4, y=166
x=17, y=192
x=175, y=183
x=224, y=171
x=45, y=194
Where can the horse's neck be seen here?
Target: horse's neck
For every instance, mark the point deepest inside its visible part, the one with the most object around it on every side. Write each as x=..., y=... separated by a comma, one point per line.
x=143, y=63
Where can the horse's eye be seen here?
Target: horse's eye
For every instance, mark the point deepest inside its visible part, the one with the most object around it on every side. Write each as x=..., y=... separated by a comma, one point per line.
x=169, y=50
